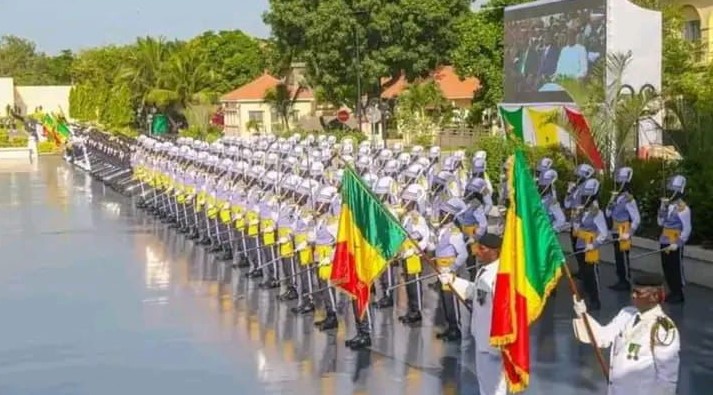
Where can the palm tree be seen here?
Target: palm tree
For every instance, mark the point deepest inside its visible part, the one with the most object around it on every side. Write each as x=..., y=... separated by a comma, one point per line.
x=187, y=73
x=282, y=98
x=145, y=63
x=421, y=109
x=611, y=108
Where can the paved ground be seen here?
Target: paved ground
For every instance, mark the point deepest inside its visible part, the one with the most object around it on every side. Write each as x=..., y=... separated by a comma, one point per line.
x=96, y=298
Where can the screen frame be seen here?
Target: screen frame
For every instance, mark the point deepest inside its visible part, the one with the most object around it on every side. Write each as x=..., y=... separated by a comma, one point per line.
x=535, y=10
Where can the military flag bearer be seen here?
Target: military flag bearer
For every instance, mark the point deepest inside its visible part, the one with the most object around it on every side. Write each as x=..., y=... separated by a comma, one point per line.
x=644, y=341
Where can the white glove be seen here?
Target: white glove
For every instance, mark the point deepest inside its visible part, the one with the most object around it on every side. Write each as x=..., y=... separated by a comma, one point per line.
x=624, y=236
x=408, y=253
x=672, y=247
x=301, y=246
x=325, y=262
x=446, y=278
x=589, y=247
x=579, y=307
x=570, y=187
x=282, y=240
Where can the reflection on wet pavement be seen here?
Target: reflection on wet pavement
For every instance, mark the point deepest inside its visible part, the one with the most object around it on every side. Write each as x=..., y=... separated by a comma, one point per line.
x=97, y=298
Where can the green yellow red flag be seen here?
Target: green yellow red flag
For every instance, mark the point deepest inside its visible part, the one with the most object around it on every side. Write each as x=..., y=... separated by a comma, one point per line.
x=367, y=239
x=530, y=266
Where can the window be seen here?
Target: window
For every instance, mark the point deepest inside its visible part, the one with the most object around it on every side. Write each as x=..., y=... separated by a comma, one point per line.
x=692, y=31
x=255, y=120
x=275, y=120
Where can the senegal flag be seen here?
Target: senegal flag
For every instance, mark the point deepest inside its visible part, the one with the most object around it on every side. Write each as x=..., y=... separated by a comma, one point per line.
x=368, y=238
x=530, y=266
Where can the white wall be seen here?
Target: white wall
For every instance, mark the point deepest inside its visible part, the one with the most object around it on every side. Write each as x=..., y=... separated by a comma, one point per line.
x=52, y=99
x=639, y=30
x=7, y=94
x=237, y=115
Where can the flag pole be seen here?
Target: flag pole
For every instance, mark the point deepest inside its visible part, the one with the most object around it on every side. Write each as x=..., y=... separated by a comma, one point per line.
x=587, y=325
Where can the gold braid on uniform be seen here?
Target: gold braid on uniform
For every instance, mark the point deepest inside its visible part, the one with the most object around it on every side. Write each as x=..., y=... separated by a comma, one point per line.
x=666, y=325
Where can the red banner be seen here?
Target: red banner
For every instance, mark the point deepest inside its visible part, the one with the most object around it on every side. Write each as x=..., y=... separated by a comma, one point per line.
x=585, y=142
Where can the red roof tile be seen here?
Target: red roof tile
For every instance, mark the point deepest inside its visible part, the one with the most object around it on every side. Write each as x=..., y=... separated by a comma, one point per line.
x=255, y=90
x=452, y=86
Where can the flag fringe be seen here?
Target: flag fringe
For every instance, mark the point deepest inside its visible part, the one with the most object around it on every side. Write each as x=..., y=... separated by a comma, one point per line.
x=521, y=374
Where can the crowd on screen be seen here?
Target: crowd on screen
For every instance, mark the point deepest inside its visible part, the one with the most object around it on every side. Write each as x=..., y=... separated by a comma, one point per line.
x=540, y=50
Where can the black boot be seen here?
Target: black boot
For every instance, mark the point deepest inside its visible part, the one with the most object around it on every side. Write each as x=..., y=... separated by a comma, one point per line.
x=304, y=308
x=413, y=317
x=329, y=322
x=290, y=294
x=242, y=262
x=385, y=302
x=359, y=342
x=255, y=273
x=449, y=335
x=270, y=283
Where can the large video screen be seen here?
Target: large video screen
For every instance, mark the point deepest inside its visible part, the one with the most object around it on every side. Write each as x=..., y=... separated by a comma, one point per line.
x=546, y=41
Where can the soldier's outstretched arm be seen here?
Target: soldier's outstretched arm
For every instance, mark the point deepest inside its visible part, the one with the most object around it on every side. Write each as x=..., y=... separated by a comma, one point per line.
x=604, y=335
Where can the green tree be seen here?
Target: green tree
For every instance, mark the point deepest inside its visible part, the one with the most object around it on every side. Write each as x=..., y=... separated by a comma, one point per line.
x=282, y=98
x=479, y=52
x=145, y=62
x=393, y=37
x=421, y=111
x=59, y=68
x=231, y=56
x=187, y=73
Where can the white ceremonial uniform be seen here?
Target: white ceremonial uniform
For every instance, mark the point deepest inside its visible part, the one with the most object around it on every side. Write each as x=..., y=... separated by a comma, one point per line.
x=488, y=359
x=644, y=357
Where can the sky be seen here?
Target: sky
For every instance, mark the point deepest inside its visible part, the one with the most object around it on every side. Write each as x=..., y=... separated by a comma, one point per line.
x=55, y=25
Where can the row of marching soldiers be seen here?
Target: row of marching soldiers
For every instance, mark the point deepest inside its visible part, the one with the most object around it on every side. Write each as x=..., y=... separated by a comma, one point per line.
x=271, y=206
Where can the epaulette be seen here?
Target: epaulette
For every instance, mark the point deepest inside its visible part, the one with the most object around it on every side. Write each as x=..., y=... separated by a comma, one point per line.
x=455, y=230
x=681, y=205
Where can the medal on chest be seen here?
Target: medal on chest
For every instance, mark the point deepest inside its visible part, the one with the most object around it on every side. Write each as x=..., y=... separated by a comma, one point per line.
x=632, y=352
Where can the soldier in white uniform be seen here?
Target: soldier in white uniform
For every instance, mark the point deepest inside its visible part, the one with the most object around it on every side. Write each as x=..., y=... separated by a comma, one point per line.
x=488, y=359
x=419, y=231
x=451, y=254
x=645, y=344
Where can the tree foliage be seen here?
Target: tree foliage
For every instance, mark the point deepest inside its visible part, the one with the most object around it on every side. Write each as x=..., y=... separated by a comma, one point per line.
x=479, y=52
x=20, y=59
x=421, y=112
x=112, y=83
x=392, y=37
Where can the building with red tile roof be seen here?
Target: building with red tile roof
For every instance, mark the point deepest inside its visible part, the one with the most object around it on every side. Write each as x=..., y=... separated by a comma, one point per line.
x=456, y=90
